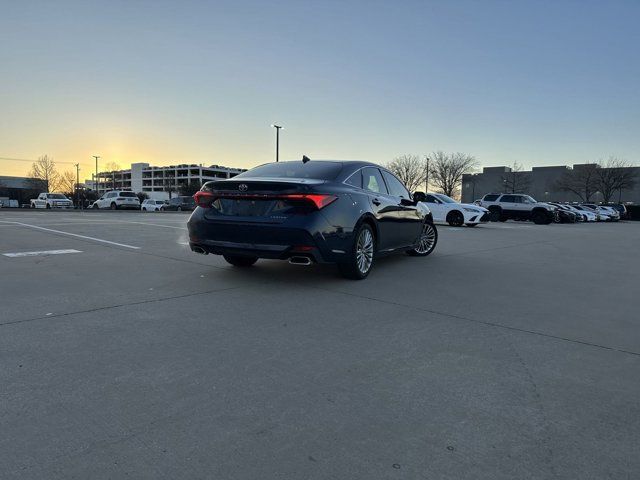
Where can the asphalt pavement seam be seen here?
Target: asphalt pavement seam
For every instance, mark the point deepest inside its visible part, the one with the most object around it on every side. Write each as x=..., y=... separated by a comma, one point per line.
x=126, y=304
x=485, y=322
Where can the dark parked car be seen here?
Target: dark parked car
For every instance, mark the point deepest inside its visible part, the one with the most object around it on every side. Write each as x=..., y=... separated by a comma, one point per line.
x=180, y=203
x=620, y=208
x=346, y=213
x=565, y=214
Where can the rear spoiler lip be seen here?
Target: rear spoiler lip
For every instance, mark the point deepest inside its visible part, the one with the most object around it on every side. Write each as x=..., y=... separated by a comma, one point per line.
x=300, y=181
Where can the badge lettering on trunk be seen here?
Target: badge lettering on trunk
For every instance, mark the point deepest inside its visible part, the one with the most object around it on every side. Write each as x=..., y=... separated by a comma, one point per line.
x=243, y=187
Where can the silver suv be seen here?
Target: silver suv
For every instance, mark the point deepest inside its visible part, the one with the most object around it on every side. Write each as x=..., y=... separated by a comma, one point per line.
x=517, y=206
x=118, y=199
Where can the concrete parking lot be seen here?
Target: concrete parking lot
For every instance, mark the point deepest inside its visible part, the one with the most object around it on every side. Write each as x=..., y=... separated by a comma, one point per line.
x=512, y=352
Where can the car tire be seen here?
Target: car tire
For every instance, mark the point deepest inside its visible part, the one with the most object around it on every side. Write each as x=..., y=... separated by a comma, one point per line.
x=455, y=218
x=48, y=207
x=240, y=260
x=114, y=206
x=495, y=213
x=539, y=218
x=144, y=209
x=95, y=206
x=361, y=255
x=179, y=209
x=428, y=241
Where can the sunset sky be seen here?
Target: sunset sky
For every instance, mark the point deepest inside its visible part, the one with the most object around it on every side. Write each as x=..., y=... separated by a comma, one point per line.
x=537, y=82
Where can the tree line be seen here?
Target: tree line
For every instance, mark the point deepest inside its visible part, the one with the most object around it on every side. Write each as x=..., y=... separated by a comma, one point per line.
x=444, y=171
x=607, y=177
x=441, y=170
x=44, y=176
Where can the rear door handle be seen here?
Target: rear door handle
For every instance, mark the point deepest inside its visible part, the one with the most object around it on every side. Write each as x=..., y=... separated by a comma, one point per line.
x=376, y=202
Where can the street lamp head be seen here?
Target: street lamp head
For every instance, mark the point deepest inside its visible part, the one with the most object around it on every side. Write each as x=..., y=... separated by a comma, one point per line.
x=276, y=126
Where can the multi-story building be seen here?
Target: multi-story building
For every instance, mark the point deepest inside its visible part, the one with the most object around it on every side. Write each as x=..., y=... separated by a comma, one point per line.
x=158, y=182
x=539, y=182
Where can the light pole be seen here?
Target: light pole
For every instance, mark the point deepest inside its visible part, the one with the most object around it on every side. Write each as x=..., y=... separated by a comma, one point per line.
x=77, y=165
x=277, y=127
x=427, y=178
x=95, y=182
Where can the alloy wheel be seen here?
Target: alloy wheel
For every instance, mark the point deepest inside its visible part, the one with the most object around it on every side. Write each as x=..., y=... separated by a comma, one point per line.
x=427, y=239
x=364, y=250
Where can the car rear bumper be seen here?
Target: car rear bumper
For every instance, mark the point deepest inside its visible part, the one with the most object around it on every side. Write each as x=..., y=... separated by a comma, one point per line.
x=126, y=206
x=310, y=236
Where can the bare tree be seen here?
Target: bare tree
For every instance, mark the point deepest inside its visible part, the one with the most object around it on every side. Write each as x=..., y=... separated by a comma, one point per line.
x=45, y=173
x=446, y=170
x=581, y=180
x=613, y=176
x=67, y=182
x=189, y=188
x=112, y=166
x=169, y=186
x=142, y=196
x=516, y=180
x=410, y=169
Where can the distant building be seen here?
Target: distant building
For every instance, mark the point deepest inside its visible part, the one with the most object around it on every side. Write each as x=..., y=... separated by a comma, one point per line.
x=157, y=181
x=539, y=182
x=21, y=189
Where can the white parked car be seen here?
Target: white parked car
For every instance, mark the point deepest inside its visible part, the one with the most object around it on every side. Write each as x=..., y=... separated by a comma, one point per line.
x=588, y=214
x=118, y=199
x=51, y=200
x=456, y=214
x=150, y=205
x=614, y=214
x=603, y=215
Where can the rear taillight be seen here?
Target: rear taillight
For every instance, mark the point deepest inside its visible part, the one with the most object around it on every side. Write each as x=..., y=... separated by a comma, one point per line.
x=318, y=200
x=204, y=199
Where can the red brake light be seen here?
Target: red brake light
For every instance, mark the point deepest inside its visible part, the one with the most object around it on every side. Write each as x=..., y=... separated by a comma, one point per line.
x=203, y=199
x=319, y=200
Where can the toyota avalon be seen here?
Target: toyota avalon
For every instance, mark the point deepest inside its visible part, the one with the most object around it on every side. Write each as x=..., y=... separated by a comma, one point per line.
x=347, y=213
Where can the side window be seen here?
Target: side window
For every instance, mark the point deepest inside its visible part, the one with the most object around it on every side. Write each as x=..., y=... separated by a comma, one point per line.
x=518, y=199
x=372, y=180
x=490, y=198
x=396, y=188
x=508, y=198
x=355, y=180
x=431, y=199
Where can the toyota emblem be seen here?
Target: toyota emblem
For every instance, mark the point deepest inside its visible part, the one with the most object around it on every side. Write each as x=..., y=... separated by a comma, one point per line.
x=243, y=187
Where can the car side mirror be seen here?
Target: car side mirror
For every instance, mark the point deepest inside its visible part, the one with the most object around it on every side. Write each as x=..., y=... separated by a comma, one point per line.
x=419, y=197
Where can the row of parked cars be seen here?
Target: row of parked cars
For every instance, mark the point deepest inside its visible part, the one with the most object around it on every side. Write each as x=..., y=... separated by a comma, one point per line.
x=500, y=207
x=123, y=200
x=116, y=200
x=505, y=206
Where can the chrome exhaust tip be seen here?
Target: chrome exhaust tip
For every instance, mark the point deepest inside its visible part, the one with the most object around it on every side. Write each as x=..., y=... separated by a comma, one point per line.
x=300, y=260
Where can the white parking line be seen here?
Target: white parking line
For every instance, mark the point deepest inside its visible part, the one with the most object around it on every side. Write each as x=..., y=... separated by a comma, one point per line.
x=74, y=235
x=45, y=252
x=154, y=225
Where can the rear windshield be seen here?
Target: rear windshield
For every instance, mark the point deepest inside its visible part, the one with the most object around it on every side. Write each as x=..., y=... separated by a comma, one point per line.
x=127, y=194
x=315, y=170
